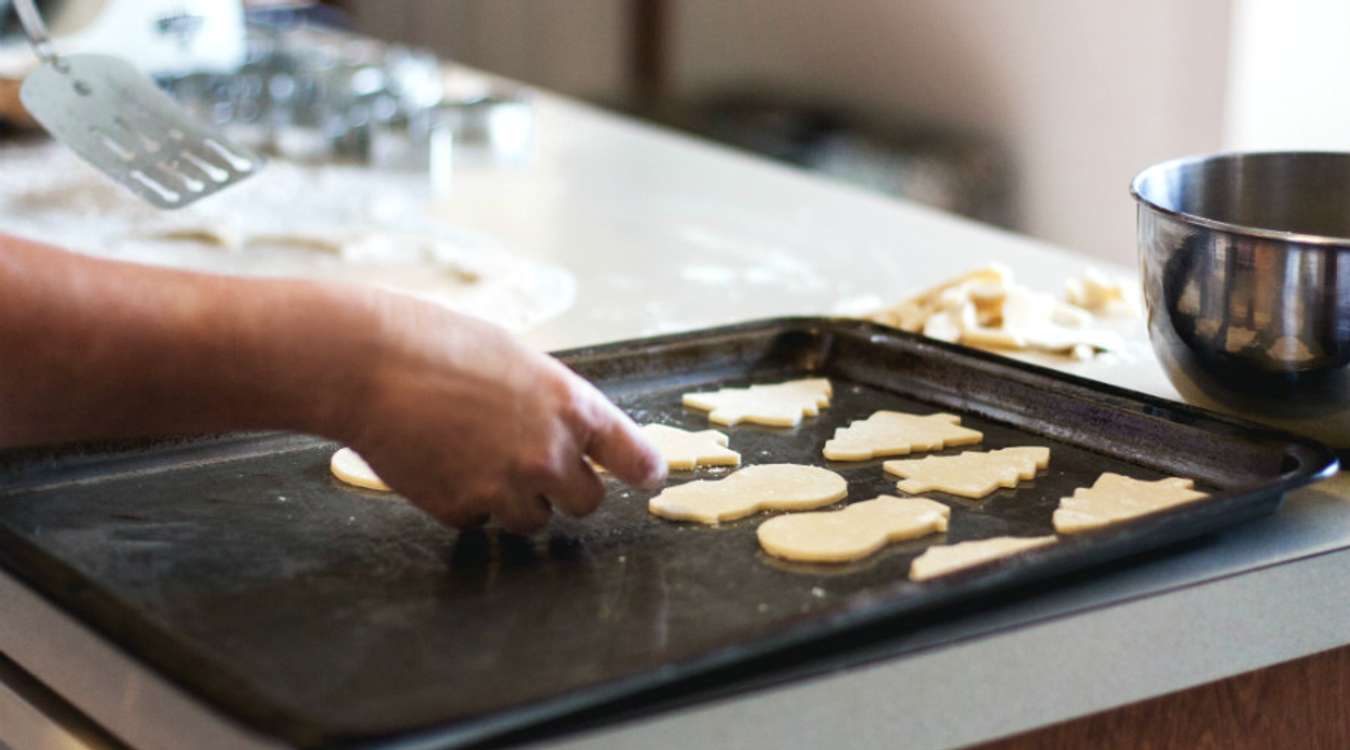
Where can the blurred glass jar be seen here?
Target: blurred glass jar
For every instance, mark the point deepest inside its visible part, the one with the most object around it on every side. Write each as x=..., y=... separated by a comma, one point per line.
x=319, y=95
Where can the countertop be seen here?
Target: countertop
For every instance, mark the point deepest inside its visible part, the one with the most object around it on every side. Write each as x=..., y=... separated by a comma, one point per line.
x=665, y=233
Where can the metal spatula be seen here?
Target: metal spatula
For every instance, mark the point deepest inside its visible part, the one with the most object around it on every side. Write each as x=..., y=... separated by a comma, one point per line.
x=115, y=118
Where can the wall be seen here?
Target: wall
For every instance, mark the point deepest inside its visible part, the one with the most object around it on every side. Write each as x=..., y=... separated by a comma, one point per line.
x=572, y=46
x=1084, y=93
x=1288, y=85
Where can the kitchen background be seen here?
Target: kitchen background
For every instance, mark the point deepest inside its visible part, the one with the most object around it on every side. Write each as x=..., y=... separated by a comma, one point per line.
x=1034, y=114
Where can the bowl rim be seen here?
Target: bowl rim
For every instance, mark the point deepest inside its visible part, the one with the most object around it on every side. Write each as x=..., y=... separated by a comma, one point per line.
x=1279, y=235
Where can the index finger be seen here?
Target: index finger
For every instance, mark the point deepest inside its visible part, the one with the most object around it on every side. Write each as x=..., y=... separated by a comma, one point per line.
x=617, y=444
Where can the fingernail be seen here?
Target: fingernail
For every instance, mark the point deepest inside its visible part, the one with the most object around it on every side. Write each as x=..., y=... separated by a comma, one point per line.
x=656, y=475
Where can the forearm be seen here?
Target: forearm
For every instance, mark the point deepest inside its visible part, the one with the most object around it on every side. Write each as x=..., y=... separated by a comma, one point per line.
x=93, y=349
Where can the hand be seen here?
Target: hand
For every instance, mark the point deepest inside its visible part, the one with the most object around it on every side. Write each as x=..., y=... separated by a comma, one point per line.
x=466, y=422
x=453, y=413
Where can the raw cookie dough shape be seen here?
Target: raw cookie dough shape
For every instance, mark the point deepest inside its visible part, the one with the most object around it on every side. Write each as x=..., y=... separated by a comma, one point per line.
x=685, y=450
x=892, y=433
x=752, y=489
x=942, y=559
x=973, y=474
x=776, y=405
x=1114, y=498
x=348, y=466
x=853, y=533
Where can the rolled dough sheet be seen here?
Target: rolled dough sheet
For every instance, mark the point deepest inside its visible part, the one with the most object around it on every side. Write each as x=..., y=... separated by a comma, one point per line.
x=776, y=405
x=853, y=533
x=943, y=559
x=348, y=466
x=752, y=489
x=1114, y=498
x=332, y=222
x=973, y=474
x=892, y=433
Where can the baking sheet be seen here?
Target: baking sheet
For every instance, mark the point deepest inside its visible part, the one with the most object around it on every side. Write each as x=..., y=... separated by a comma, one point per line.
x=325, y=614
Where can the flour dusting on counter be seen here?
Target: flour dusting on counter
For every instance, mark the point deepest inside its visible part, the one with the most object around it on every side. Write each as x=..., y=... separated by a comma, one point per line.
x=747, y=261
x=340, y=223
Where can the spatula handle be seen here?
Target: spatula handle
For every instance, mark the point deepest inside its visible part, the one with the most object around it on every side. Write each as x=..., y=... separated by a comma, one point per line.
x=35, y=29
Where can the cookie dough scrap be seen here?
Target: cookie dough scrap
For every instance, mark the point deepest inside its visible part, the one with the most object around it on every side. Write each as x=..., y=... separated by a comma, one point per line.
x=776, y=405
x=986, y=308
x=982, y=284
x=1114, y=498
x=943, y=559
x=752, y=489
x=1101, y=294
x=1035, y=320
x=685, y=450
x=348, y=466
x=853, y=533
x=892, y=433
x=973, y=474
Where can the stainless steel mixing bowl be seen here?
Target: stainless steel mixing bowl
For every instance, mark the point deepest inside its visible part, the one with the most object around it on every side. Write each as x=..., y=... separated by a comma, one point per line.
x=1246, y=266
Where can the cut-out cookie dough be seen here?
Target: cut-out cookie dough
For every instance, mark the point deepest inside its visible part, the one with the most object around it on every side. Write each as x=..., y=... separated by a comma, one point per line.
x=942, y=559
x=1114, y=498
x=752, y=489
x=972, y=474
x=854, y=532
x=685, y=450
x=891, y=433
x=348, y=466
x=776, y=405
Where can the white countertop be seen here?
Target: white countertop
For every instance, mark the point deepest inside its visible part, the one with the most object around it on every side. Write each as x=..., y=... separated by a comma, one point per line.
x=666, y=233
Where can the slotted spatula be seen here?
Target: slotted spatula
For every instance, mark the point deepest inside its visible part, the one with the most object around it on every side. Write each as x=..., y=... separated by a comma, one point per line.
x=115, y=118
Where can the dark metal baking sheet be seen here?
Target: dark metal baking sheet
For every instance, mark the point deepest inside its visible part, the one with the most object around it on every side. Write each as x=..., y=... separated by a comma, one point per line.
x=324, y=614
